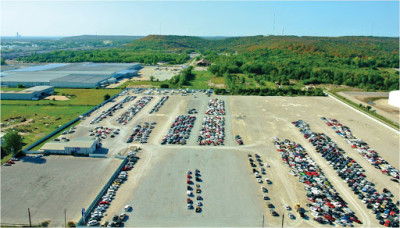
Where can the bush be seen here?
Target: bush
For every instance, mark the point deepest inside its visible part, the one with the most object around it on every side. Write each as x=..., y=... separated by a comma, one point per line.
x=164, y=85
x=20, y=86
x=71, y=224
x=107, y=96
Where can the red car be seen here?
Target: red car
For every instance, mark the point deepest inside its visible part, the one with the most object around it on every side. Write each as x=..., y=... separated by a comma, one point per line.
x=188, y=200
x=126, y=169
x=104, y=202
x=11, y=162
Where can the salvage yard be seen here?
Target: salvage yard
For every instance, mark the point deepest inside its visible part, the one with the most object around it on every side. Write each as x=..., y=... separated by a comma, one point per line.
x=232, y=195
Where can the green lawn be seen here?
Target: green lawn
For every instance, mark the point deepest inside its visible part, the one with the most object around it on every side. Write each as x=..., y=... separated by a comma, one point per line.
x=77, y=97
x=44, y=119
x=139, y=83
x=11, y=89
x=44, y=116
x=200, y=80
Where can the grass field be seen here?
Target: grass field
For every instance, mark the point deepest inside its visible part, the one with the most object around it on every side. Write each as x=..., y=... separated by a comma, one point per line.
x=140, y=83
x=35, y=119
x=200, y=80
x=77, y=97
x=40, y=120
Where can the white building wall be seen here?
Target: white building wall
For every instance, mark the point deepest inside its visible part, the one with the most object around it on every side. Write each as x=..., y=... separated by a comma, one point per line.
x=394, y=98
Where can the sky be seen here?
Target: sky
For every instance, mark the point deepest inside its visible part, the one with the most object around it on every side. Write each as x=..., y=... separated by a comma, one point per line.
x=200, y=18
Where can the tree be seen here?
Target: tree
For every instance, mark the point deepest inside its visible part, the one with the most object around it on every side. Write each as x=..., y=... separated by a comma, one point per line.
x=20, y=86
x=107, y=96
x=164, y=85
x=151, y=78
x=12, y=142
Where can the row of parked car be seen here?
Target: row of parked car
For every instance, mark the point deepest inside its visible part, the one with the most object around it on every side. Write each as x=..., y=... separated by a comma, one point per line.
x=327, y=205
x=10, y=162
x=212, y=131
x=216, y=107
x=102, y=132
x=141, y=133
x=98, y=212
x=351, y=172
x=111, y=110
x=179, y=131
x=362, y=147
x=190, y=191
x=258, y=174
x=132, y=111
x=159, y=104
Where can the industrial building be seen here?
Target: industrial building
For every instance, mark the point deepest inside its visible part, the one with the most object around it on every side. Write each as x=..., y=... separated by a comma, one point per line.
x=70, y=75
x=78, y=146
x=34, y=93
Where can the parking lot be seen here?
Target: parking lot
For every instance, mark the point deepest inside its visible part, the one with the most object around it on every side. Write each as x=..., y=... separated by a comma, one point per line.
x=156, y=187
x=50, y=184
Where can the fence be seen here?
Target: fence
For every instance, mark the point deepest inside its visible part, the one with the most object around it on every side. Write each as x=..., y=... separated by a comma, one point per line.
x=86, y=215
x=64, y=126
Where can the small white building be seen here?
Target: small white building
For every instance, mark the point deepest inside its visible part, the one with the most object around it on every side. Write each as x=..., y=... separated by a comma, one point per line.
x=78, y=146
x=33, y=93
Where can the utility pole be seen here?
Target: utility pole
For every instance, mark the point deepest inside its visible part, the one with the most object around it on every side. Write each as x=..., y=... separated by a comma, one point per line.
x=65, y=217
x=283, y=218
x=29, y=215
x=263, y=222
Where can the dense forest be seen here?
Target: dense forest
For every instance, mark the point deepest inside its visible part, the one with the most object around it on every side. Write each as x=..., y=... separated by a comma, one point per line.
x=364, y=62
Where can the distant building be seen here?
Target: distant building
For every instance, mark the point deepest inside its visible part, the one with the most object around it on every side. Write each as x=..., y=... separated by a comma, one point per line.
x=203, y=62
x=68, y=74
x=34, y=93
x=79, y=81
x=78, y=146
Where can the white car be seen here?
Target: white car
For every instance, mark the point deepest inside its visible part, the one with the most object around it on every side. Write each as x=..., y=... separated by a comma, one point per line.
x=92, y=223
x=38, y=156
x=287, y=207
x=259, y=180
x=127, y=208
x=315, y=214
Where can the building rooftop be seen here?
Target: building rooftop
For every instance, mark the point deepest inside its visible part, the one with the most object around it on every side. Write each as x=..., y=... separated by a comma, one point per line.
x=38, y=88
x=82, y=142
x=81, y=78
x=30, y=90
x=54, y=146
x=46, y=73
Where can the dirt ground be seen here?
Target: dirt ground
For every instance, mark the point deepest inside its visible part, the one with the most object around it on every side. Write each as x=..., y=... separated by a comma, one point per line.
x=160, y=72
x=381, y=106
x=57, y=98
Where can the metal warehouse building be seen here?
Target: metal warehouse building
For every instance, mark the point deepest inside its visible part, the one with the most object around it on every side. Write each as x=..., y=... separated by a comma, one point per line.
x=67, y=74
x=79, y=81
x=78, y=146
x=34, y=93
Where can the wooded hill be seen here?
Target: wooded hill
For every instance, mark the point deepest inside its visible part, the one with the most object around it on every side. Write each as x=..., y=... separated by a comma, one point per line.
x=364, y=62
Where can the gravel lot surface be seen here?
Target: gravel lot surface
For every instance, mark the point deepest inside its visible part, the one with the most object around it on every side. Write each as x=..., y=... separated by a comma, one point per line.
x=156, y=186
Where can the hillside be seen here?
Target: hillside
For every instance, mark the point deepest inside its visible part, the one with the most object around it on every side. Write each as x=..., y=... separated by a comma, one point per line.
x=351, y=46
x=256, y=61
x=101, y=37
